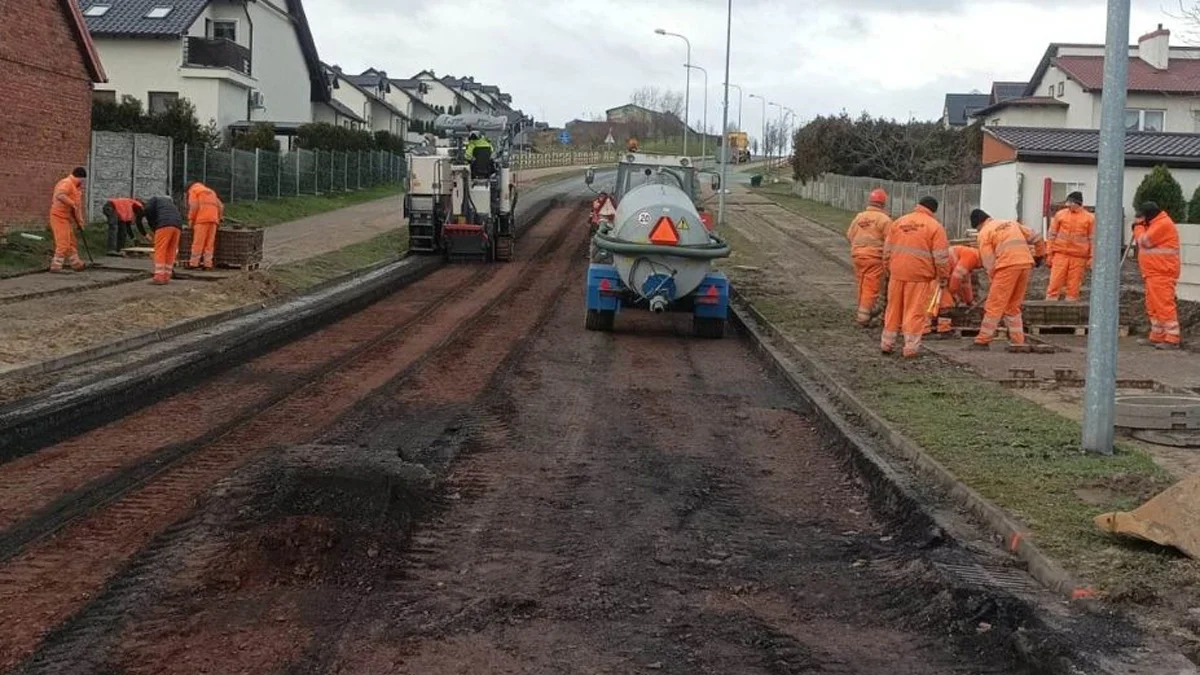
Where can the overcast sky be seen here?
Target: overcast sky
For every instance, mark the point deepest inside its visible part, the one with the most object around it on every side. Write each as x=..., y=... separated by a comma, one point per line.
x=566, y=59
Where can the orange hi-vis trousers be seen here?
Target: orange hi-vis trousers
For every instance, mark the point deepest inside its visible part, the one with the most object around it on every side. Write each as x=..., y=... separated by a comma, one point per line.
x=204, y=241
x=64, y=245
x=1160, y=307
x=1004, y=300
x=1067, y=272
x=869, y=274
x=166, y=249
x=906, y=302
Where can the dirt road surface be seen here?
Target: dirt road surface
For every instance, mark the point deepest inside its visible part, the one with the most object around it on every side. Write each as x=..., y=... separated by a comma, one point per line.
x=461, y=479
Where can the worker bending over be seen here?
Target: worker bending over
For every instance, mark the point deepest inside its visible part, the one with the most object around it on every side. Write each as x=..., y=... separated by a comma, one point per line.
x=164, y=220
x=121, y=213
x=1070, y=246
x=867, y=234
x=205, y=211
x=964, y=260
x=1004, y=248
x=66, y=214
x=1157, y=239
x=916, y=255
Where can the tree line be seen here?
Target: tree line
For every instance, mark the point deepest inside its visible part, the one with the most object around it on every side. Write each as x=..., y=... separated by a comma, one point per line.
x=914, y=151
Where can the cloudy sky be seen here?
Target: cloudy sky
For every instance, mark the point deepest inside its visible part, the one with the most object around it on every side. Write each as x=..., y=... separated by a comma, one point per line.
x=566, y=59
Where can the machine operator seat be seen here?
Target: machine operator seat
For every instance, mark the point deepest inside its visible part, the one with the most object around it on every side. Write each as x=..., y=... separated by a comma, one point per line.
x=482, y=166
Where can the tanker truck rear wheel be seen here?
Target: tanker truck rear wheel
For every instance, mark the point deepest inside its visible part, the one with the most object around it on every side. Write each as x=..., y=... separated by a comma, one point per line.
x=601, y=320
x=711, y=329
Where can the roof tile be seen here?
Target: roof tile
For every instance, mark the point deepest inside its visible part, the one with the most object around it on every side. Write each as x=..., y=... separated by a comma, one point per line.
x=1086, y=143
x=128, y=17
x=1182, y=76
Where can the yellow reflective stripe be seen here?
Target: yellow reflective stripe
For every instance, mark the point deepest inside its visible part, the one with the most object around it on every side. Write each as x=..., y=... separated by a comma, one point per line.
x=1159, y=251
x=1011, y=243
x=912, y=250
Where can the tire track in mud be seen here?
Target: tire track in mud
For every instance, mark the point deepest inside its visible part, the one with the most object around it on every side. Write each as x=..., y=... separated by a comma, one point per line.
x=50, y=579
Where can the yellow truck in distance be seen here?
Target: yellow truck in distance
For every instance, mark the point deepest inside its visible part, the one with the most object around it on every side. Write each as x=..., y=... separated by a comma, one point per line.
x=739, y=146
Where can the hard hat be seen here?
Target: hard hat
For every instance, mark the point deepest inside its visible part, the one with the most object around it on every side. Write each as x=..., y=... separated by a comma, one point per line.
x=878, y=196
x=474, y=135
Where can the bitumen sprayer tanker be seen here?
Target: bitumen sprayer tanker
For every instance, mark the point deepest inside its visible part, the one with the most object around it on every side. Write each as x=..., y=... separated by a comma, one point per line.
x=661, y=258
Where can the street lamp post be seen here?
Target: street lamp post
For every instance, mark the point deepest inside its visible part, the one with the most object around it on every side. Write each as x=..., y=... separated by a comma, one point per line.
x=780, y=117
x=704, y=136
x=687, y=92
x=725, y=118
x=791, y=128
x=763, y=139
x=740, y=95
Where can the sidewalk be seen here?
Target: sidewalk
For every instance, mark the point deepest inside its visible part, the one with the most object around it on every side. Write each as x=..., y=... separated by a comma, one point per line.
x=1018, y=448
x=110, y=302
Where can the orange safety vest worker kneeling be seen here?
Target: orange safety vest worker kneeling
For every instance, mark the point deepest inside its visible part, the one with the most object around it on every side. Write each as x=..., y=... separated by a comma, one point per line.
x=964, y=260
x=205, y=211
x=867, y=234
x=1070, y=246
x=1004, y=249
x=1157, y=239
x=66, y=213
x=916, y=255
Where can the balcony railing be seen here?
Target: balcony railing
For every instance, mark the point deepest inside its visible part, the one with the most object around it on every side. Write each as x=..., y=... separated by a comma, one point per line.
x=218, y=53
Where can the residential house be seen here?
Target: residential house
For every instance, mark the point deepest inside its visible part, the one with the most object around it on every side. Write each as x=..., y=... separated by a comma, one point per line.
x=1003, y=91
x=406, y=95
x=382, y=115
x=348, y=107
x=1064, y=92
x=50, y=66
x=958, y=109
x=1028, y=173
x=437, y=94
x=238, y=61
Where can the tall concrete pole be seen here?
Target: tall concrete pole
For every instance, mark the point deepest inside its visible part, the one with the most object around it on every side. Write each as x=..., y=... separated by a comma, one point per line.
x=741, y=94
x=725, y=118
x=1101, y=390
x=687, y=91
x=762, y=141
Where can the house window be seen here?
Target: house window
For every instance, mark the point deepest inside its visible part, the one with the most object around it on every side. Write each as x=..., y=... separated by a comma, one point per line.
x=97, y=10
x=104, y=96
x=1050, y=92
x=1137, y=119
x=161, y=101
x=223, y=30
x=1061, y=88
x=158, y=13
x=1059, y=191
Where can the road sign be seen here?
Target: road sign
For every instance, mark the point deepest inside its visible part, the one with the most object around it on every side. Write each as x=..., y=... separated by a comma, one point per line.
x=565, y=137
x=610, y=140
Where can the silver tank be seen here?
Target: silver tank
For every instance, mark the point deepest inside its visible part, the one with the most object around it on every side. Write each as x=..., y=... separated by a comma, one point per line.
x=637, y=215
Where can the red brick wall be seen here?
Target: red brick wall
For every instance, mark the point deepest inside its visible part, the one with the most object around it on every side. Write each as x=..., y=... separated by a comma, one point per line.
x=45, y=126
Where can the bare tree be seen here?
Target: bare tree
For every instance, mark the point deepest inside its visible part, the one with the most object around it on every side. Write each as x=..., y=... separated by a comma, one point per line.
x=1189, y=14
x=671, y=102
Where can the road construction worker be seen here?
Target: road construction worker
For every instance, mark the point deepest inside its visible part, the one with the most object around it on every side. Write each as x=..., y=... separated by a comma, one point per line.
x=121, y=213
x=964, y=260
x=632, y=145
x=66, y=214
x=917, y=258
x=867, y=234
x=1157, y=239
x=1070, y=247
x=475, y=141
x=205, y=211
x=1004, y=248
x=161, y=214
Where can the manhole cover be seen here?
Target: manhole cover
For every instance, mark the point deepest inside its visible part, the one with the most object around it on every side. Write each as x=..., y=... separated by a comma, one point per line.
x=1174, y=439
x=1167, y=412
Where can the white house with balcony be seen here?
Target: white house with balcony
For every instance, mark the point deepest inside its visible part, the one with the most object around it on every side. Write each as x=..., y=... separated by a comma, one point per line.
x=368, y=95
x=238, y=61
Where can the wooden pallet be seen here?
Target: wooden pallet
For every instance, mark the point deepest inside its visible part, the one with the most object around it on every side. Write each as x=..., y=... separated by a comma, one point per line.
x=1069, y=329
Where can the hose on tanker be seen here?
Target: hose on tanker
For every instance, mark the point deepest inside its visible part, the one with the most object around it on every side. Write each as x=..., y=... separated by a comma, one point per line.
x=718, y=248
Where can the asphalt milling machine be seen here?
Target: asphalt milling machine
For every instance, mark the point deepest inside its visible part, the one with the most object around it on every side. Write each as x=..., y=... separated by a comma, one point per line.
x=464, y=210
x=655, y=251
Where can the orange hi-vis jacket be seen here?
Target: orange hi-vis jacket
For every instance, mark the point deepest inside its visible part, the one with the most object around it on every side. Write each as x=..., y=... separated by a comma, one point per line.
x=916, y=248
x=124, y=207
x=1072, y=232
x=1158, y=247
x=1005, y=243
x=964, y=261
x=69, y=188
x=868, y=233
x=204, y=206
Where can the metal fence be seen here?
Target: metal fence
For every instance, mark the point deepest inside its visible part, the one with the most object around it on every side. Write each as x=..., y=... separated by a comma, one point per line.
x=242, y=175
x=955, y=202
x=546, y=160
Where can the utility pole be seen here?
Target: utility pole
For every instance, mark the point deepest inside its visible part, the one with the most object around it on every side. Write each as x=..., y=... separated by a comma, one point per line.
x=725, y=119
x=687, y=91
x=1101, y=388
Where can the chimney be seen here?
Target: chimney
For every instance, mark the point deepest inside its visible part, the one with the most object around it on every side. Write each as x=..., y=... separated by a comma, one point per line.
x=1154, y=48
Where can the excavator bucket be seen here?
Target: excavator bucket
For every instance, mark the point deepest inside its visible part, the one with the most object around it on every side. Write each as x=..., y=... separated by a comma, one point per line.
x=1170, y=519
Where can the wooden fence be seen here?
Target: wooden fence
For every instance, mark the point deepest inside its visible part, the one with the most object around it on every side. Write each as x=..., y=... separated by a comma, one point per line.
x=850, y=193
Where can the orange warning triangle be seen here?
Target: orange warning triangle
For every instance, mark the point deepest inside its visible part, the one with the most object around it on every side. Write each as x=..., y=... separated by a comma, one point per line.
x=664, y=233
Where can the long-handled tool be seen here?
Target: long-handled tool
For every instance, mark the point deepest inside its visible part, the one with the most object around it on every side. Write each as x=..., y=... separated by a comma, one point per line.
x=1125, y=256
x=86, y=247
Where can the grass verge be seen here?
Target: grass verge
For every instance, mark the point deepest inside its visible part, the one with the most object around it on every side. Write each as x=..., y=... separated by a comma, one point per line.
x=830, y=217
x=22, y=254
x=1022, y=457
x=304, y=274
x=274, y=211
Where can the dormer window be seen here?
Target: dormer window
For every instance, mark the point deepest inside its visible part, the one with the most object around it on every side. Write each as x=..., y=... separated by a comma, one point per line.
x=158, y=13
x=97, y=10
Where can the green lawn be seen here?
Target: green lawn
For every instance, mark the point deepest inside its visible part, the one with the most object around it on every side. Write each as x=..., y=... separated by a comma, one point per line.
x=306, y=273
x=830, y=217
x=274, y=211
x=22, y=254
x=1019, y=455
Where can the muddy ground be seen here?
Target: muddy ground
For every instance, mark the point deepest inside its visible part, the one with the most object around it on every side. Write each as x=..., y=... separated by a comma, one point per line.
x=534, y=498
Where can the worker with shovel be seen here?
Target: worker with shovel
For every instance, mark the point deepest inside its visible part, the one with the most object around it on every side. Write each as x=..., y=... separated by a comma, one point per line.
x=1157, y=239
x=66, y=214
x=964, y=260
x=917, y=256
